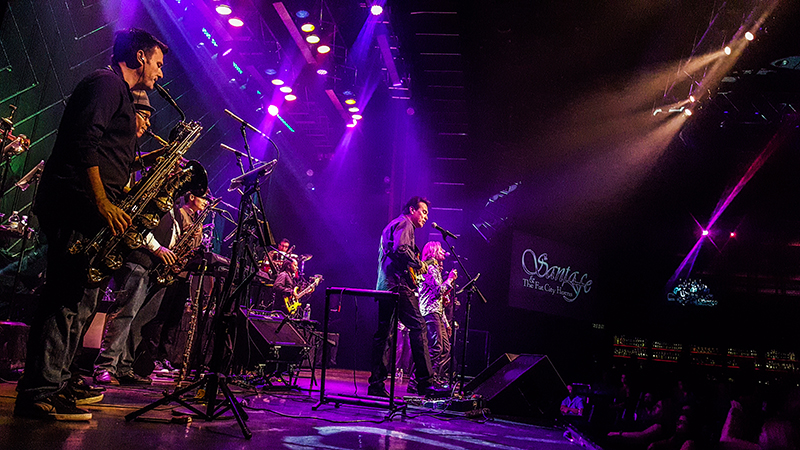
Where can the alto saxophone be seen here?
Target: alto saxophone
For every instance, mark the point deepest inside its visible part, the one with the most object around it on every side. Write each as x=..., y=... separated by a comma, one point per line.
x=183, y=249
x=149, y=199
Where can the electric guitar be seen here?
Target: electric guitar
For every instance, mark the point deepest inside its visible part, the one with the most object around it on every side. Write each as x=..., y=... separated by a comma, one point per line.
x=415, y=278
x=293, y=301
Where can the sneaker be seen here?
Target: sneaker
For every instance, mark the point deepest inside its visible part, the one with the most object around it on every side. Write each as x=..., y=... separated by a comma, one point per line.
x=105, y=377
x=80, y=383
x=55, y=407
x=130, y=378
x=158, y=367
x=82, y=396
x=167, y=365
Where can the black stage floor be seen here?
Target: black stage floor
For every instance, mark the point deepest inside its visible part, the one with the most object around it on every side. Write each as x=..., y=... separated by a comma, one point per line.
x=277, y=418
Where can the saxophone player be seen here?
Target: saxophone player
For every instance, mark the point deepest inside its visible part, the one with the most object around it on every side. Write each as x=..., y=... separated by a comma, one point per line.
x=84, y=176
x=160, y=333
x=139, y=297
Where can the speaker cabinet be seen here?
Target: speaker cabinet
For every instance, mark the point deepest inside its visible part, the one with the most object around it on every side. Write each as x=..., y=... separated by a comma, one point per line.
x=267, y=340
x=520, y=386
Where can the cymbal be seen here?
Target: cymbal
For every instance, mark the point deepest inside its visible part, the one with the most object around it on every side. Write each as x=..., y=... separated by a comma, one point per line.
x=306, y=257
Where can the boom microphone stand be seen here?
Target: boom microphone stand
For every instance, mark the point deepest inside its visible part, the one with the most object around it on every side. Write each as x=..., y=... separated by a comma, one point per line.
x=470, y=288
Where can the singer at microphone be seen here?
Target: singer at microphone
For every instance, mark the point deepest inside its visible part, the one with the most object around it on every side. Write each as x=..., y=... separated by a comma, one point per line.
x=445, y=233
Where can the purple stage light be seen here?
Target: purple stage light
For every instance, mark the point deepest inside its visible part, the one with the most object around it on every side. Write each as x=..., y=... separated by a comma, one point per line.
x=323, y=49
x=235, y=22
x=322, y=72
x=357, y=117
x=277, y=82
x=272, y=110
x=270, y=71
x=733, y=234
x=224, y=10
x=290, y=97
x=302, y=14
x=705, y=232
x=307, y=27
x=353, y=109
x=285, y=89
x=226, y=52
x=312, y=38
x=376, y=10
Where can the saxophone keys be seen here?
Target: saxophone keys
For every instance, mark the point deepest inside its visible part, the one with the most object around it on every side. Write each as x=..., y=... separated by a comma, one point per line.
x=150, y=221
x=113, y=261
x=133, y=240
x=94, y=275
x=163, y=203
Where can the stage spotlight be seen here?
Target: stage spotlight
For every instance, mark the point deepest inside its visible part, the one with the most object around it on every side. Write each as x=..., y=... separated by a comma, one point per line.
x=270, y=71
x=353, y=109
x=323, y=49
x=687, y=111
x=733, y=234
x=277, y=82
x=308, y=27
x=350, y=101
x=351, y=125
x=272, y=110
x=347, y=93
x=727, y=50
x=285, y=89
x=235, y=22
x=226, y=52
x=302, y=14
x=322, y=72
x=749, y=36
x=705, y=232
x=692, y=99
x=376, y=10
x=312, y=39
x=223, y=10
x=290, y=97
x=357, y=117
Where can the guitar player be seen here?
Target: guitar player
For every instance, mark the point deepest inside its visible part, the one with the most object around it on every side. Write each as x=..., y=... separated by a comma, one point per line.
x=396, y=255
x=286, y=298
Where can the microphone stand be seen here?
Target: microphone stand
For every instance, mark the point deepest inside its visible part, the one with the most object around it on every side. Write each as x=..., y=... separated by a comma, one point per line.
x=471, y=288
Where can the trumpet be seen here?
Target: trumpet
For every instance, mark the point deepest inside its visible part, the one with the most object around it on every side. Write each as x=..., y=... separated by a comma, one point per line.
x=16, y=145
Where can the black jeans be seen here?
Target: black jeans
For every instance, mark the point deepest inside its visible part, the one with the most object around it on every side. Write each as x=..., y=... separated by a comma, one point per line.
x=65, y=307
x=409, y=314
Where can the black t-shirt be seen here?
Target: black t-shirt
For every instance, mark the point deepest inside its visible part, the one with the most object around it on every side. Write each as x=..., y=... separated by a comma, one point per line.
x=98, y=128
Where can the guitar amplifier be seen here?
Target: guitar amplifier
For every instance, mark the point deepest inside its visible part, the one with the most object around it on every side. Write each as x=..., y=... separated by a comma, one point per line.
x=267, y=339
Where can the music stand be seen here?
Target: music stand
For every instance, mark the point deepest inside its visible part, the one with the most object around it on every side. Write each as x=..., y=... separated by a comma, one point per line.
x=223, y=324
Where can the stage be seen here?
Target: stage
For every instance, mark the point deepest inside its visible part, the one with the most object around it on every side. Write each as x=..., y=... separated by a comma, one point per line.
x=277, y=419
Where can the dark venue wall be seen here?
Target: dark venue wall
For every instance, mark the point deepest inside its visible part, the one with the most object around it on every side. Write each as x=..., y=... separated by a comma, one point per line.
x=539, y=119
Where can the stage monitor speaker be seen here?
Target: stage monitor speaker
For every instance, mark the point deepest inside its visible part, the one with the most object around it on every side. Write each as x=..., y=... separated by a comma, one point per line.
x=520, y=386
x=267, y=340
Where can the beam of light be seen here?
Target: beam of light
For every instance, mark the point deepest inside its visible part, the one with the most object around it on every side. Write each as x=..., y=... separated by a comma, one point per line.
x=284, y=123
x=777, y=140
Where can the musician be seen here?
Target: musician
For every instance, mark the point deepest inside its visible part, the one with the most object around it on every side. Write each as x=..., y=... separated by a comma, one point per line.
x=285, y=284
x=397, y=253
x=159, y=333
x=277, y=258
x=433, y=297
x=84, y=176
x=139, y=297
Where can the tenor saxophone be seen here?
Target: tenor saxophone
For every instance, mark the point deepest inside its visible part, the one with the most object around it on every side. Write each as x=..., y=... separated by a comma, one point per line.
x=183, y=249
x=153, y=196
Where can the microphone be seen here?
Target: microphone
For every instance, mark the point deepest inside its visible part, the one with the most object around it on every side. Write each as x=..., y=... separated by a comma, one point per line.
x=165, y=95
x=283, y=322
x=237, y=152
x=445, y=233
x=244, y=122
